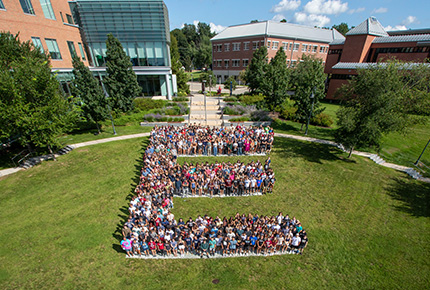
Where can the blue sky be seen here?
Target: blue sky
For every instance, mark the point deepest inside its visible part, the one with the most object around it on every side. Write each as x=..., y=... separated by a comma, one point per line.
x=392, y=14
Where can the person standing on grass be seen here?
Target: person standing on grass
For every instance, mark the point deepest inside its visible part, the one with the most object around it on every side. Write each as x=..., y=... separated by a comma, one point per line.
x=127, y=247
x=212, y=245
x=233, y=245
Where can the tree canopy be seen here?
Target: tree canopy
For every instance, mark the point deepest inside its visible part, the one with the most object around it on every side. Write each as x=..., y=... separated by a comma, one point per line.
x=87, y=89
x=342, y=28
x=121, y=81
x=379, y=100
x=308, y=77
x=32, y=109
x=177, y=68
x=256, y=71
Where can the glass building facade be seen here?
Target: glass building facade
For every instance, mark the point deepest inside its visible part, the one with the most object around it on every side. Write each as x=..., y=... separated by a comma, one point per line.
x=142, y=27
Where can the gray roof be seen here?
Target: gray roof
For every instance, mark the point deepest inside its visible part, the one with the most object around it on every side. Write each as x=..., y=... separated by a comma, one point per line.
x=337, y=42
x=365, y=65
x=370, y=26
x=281, y=30
x=403, y=38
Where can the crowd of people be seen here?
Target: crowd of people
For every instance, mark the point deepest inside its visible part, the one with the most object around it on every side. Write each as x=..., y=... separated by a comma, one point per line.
x=200, y=140
x=152, y=230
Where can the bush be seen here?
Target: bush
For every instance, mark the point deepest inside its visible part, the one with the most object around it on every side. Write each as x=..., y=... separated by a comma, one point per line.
x=252, y=99
x=322, y=119
x=181, y=99
x=145, y=104
x=230, y=99
x=182, y=93
x=239, y=119
x=260, y=115
x=228, y=81
x=288, y=113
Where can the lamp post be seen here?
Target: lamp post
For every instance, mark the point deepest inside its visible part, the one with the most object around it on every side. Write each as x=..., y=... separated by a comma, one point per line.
x=418, y=160
x=310, y=112
x=204, y=93
x=210, y=85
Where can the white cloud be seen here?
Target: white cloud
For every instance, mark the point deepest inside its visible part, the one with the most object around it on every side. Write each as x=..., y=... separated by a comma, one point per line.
x=358, y=10
x=397, y=27
x=380, y=10
x=278, y=17
x=314, y=7
x=216, y=28
x=409, y=20
x=285, y=5
x=311, y=19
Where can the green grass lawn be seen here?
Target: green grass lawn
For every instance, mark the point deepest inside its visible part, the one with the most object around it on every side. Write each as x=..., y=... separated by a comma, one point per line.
x=368, y=226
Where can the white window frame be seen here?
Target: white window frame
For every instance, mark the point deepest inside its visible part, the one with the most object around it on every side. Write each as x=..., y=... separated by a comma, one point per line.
x=47, y=9
x=296, y=47
x=304, y=47
x=226, y=63
x=275, y=45
x=285, y=45
x=255, y=45
x=226, y=46
x=269, y=43
x=245, y=62
x=315, y=48
x=246, y=45
x=235, y=63
x=236, y=46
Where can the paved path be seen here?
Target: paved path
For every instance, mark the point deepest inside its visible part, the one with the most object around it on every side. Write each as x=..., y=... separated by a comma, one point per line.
x=405, y=169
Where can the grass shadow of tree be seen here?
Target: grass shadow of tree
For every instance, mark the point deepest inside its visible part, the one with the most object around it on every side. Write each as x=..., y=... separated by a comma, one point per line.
x=413, y=196
x=312, y=152
x=117, y=234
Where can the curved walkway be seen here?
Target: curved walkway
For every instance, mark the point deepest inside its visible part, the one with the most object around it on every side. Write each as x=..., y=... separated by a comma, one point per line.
x=408, y=170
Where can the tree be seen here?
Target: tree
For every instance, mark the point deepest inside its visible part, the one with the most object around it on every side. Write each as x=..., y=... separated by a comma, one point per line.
x=276, y=82
x=377, y=102
x=255, y=72
x=230, y=81
x=308, y=77
x=177, y=69
x=342, y=28
x=121, y=81
x=87, y=88
x=284, y=20
x=254, y=21
x=31, y=105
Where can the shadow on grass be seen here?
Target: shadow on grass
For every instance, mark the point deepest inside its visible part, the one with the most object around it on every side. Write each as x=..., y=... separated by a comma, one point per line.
x=291, y=127
x=414, y=197
x=124, y=214
x=312, y=152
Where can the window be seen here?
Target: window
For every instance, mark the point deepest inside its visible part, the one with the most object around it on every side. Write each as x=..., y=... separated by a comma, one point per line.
x=37, y=43
x=1, y=5
x=81, y=49
x=235, y=63
x=47, y=9
x=293, y=63
x=69, y=19
x=226, y=63
x=304, y=47
x=314, y=48
x=255, y=45
x=245, y=62
x=226, y=46
x=27, y=7
x=218, y=47
x=219, y=63
x=275, y=45
x=290, y=46
x=72, y=49
x=296, y=46
x=285, y=45
x=269, y=43
x=53, y=49
x=246, y=45
x=236, y=46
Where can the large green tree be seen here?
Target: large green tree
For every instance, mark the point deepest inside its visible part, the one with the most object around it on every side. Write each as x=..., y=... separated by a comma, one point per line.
x=256, y=71
x=308, y=78
x=121, y=81
x=378, y=101
x=177, y=68
x=87, y=88
x=277, y=80
x=342, y=28
x=32, y=108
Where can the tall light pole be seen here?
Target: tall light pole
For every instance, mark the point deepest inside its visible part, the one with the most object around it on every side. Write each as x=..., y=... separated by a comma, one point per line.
x=310, y=112
x=210, y=85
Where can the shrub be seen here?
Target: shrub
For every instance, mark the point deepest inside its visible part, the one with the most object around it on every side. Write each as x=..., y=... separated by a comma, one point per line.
x=260, y=115
x=182, y=93
x=239, y=119
x=145, y=104
x=252, y=99
x=322, y=119
x=288, y=113
x=181, y=99
x=230, y=99
x=228, y=81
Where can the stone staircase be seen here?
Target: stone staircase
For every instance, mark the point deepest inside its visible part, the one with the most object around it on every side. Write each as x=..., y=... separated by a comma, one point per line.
x=207, y=113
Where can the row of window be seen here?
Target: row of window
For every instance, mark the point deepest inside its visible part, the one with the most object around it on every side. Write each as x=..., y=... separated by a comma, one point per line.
x=274, y=45
x=54, y=50
x=27, y=8
x=245, y=62
x=402, y=49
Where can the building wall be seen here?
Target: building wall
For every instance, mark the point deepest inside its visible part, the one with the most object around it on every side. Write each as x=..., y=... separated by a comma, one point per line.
x=226, y=61
x=14, y=20
x=356, y=48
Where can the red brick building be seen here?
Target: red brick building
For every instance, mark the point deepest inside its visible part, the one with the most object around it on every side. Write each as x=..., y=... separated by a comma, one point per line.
x=233, y=48
x=369, y=43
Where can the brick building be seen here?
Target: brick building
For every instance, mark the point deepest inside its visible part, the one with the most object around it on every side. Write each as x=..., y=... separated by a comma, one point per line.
x=66, y=28
x=369, y=43
x=233, y=48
